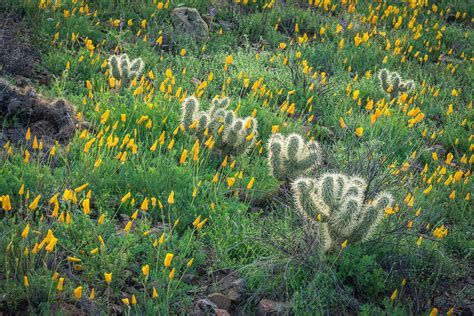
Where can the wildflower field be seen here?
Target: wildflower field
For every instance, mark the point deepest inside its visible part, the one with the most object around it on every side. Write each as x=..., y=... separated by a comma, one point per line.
x=236, y=157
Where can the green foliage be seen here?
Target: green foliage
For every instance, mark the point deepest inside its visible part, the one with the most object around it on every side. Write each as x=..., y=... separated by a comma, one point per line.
x=362, y=272
x=264, y=244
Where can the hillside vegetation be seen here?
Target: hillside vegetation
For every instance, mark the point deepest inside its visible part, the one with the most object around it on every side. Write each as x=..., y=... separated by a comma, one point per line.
x=273, y=158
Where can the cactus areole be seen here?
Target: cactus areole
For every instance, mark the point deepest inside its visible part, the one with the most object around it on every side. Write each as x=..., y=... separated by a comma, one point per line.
x=333, y=209
x=232, y=135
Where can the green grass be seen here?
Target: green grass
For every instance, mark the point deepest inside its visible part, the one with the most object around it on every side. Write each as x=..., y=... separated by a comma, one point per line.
x=266, y=246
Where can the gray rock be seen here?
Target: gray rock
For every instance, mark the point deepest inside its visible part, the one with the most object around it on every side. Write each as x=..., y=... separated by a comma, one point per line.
x=236, y=290
x=188, y=21
x=204, y=307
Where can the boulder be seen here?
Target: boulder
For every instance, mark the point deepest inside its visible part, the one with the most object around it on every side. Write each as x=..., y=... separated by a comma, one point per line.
x=48, y=120
x=188, y=21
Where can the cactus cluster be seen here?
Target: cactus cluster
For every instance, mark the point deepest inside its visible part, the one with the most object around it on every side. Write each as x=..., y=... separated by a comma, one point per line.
x=334, y=210
x=291, y=157
x=392, y=84
x=232, y=135
x=192, y=118
x=124, y=69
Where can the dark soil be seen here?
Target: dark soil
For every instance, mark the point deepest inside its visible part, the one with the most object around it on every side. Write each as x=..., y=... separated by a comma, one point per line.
x=18, y=55
x=20, y=106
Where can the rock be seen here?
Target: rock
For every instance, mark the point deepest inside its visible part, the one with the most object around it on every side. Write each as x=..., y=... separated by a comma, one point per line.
x=222, y=312
x=125, y=218
x=221, y=301
x=229, y=284
x=269, y=307
x=236, y=290
x=234, y=295
x=48, y=120
x=204, y=307
x=188, y=21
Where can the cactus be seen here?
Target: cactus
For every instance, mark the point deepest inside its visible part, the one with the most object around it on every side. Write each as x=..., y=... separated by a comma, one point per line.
x=192, y=118
x=233, y=135
x=391, y=83
x=238, y=135
x=242, y=135
x=333, y=209
x=219, y=104
x=124, y=69
x=290, y=157
x=218, y=113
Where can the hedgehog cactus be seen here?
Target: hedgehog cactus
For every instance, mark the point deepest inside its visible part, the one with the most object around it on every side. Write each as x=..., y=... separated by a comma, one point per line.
x=124, y=69
x=393, y=84
x=333, y=209
x=233, y=135
x=290, y=157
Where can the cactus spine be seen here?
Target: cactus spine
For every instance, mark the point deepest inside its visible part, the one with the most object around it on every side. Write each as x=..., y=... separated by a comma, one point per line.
x=333, y=209
x=290, y=157
x=391, y=83
x=192, y=118
x=124, y=69
x=233, y=135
